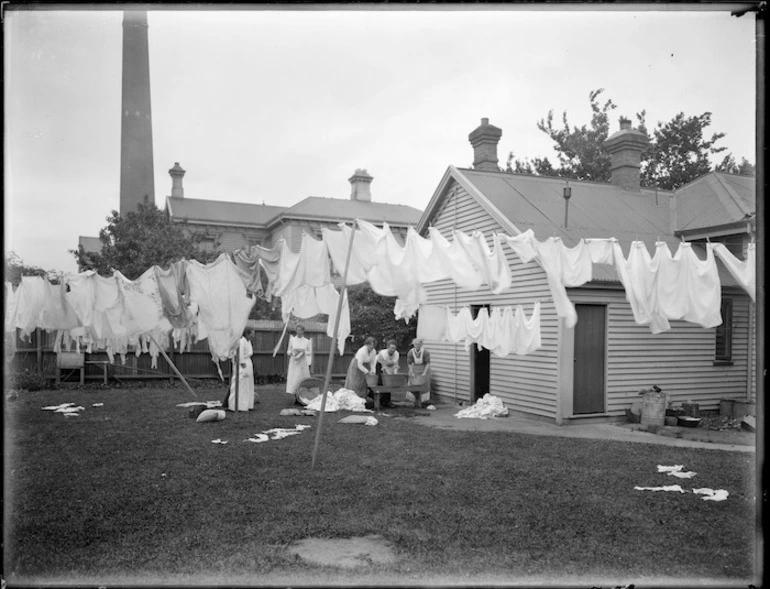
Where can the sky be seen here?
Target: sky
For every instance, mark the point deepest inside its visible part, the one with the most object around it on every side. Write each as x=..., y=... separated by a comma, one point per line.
x=275, y=105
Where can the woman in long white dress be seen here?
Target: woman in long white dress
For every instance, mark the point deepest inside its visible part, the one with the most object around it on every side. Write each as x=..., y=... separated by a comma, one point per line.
x=300, y=353
x=245, y=376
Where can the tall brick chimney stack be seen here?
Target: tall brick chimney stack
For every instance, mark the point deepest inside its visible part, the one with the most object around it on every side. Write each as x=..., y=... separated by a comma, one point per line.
x=484, y=139
x=360, y=185
x=625, y=148
x=137, y=183
x=177, y=173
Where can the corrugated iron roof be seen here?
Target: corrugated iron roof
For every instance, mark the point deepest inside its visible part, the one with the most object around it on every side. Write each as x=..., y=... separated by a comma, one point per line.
x=715, y=199
x=595, y=211
x=217, y=211
x=337, y=208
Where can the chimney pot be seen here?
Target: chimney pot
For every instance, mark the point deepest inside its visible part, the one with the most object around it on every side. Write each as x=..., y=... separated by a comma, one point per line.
x=177, y=173
x=360, y=188
x=625, y=148
x=484, y=140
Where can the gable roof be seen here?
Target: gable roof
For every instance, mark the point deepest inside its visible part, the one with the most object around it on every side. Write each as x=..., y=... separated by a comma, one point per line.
x=520, y=201
x=221, y=212
x=715, y=199
x=318, y=207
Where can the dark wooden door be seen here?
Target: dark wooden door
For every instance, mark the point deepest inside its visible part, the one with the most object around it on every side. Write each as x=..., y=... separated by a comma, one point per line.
x=479, y=364
x=589, y=360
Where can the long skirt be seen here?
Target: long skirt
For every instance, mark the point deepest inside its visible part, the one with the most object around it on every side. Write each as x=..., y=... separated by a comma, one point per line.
x=245, y=389
x=421, y=376
x=298, y=371
x=356, y=380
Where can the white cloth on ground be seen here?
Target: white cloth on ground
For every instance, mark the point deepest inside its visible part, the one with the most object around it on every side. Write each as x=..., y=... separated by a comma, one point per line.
x=711, y=494
x=486, y=407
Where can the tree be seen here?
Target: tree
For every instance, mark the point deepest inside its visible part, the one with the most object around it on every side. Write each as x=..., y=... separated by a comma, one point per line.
x=15, y=268
x=372, y=315
x=677, y=154
x=141, y=239
x=728, y=165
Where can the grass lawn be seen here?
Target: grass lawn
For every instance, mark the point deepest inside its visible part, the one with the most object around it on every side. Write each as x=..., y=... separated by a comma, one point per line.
x=135, y=492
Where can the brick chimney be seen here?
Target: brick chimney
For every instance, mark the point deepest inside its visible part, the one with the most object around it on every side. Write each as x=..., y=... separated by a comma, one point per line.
x=360, y=188
x=177, y=173
x=484, y=139
x=625, y=148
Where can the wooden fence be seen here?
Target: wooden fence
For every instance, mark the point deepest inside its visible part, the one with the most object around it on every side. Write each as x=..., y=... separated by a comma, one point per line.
x=37, y=355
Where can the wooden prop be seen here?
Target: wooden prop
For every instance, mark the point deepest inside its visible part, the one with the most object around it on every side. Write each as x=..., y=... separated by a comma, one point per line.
x=329, y=364
x=173, y=366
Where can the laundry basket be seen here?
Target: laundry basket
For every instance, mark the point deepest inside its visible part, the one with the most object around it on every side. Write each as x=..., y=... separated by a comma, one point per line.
x=308, y=389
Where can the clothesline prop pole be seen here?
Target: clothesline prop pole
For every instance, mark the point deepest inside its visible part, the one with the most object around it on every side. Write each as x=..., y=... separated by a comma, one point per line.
x=173, y=366
x=329, y=364
x=237, y=372
x=283, y=334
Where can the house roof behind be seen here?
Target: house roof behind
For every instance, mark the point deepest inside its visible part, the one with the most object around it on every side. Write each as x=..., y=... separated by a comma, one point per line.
x=217, y=211
x=90, y=244
x=595, y=211
x=338, y=208
x=715, y=199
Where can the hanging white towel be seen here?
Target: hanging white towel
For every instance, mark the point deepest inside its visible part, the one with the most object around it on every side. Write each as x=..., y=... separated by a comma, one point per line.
x=431, y=322
x=745, y=272
x=454, y=261
x=492, y=264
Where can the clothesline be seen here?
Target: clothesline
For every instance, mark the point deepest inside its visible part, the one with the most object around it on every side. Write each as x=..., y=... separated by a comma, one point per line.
x=192, y=301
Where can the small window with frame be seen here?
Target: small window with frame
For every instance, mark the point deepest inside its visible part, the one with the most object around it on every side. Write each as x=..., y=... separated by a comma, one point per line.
x=723, y=348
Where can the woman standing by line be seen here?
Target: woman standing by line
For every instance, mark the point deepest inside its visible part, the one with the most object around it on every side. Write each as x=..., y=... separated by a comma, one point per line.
x=300, y=353
x=418, y=360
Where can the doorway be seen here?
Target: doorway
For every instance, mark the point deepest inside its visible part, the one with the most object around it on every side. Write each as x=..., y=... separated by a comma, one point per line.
x=479, y=364
x=589, y=359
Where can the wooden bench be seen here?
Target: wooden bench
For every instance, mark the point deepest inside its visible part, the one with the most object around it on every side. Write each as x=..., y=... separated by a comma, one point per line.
x=417, y=389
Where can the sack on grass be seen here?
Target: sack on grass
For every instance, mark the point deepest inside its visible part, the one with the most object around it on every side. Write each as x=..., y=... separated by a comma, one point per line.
x=210, y=415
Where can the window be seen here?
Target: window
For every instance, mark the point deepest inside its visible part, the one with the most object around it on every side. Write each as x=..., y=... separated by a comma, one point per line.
x=723, y=350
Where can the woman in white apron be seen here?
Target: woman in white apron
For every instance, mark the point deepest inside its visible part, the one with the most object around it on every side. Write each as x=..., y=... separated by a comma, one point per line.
x=245, y=376
x=418, y=361
x=300, y=357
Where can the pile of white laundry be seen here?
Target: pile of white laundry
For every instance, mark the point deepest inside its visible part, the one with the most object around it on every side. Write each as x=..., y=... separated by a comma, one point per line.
x=341, y=400
x=487, y=407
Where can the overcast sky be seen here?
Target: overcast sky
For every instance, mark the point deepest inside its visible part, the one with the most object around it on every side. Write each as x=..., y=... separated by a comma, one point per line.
x=274, y=106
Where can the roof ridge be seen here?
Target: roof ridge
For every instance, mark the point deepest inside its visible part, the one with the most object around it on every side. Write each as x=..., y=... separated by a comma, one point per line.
x=731, y=193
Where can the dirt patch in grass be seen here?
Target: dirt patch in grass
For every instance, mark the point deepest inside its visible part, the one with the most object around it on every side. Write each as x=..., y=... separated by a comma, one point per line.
x=345, y=552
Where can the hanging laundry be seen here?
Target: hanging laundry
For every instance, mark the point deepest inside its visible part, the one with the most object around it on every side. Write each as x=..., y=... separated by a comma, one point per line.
x=11, y=307
x=30, y=304
x=527, y=331
x=364, y=254
x=432, y=322
x=57, y=313
x=223, y=305
x=171, y=289
x=310, y=267
x=687, y=288
x=247, y=262
x=306, y=301
x=745, y=272
x=454, y=261
x=492, y=264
